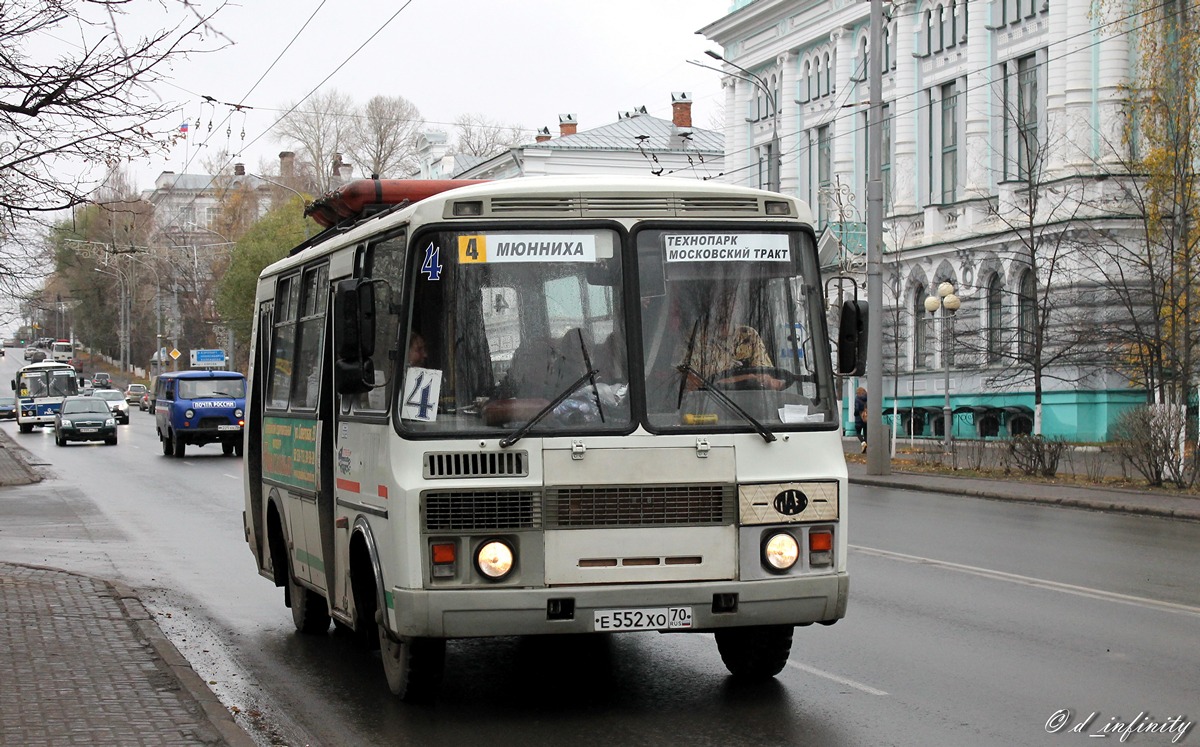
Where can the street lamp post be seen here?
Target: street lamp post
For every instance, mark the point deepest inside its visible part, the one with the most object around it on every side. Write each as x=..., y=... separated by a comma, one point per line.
x=122, y=316
x=774, y=166
x=948, y=303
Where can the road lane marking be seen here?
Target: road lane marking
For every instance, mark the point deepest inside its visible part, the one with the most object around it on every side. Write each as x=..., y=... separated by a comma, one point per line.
x=836, y=678
x=1041, y=583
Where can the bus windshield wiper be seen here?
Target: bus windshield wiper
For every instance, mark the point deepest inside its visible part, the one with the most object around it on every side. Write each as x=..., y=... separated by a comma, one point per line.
x=521, y=432
x=761, y=429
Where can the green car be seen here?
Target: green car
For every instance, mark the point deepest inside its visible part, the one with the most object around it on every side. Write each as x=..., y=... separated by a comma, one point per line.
x=85, y=419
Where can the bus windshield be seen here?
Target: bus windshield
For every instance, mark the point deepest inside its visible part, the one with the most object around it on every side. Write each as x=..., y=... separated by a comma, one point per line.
x=506, y=324
x=726, y=321
x=48, y=383
x=528, y=331
x=201, y=388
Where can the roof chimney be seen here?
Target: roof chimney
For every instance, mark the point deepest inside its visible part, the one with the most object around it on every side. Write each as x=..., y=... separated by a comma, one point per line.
x=681, y=109
x=567, y=124
x=239, y=169
x=287, y=164
x=542, y=135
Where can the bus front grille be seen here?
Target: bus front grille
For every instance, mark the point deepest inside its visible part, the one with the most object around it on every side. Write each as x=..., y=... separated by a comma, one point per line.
x=640, y=505
x=481, y=510
x=441, y=465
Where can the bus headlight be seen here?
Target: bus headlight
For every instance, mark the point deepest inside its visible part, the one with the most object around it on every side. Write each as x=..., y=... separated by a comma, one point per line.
x=494, y=559
x=238, y=413
x=781, y=551
x=189, y=413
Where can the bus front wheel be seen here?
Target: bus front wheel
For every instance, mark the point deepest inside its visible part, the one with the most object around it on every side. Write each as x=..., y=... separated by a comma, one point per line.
x=755, y=653
x=26, y=427
x=413, y=666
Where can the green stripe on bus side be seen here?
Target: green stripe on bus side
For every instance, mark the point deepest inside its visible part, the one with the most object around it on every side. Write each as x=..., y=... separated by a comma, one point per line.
x=389, y=600
x=312, y=561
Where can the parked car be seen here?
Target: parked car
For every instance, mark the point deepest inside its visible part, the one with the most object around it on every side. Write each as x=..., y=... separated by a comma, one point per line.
x=84, y=419
x=101, y=380
x=116, y=403
x=134, y=392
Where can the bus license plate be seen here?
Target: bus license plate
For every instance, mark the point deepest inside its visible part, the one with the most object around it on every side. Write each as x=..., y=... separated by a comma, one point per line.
x=655, y=618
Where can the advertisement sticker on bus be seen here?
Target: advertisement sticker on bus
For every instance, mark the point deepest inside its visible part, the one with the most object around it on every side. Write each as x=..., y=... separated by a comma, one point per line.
x=519, y=247
x=726, y=247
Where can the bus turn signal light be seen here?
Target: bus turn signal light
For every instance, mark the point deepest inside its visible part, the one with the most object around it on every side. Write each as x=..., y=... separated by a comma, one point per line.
x=820, y=548
x=443, y=556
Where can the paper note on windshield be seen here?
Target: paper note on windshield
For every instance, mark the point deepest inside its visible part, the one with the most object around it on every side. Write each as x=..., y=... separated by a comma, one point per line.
x=799, y=414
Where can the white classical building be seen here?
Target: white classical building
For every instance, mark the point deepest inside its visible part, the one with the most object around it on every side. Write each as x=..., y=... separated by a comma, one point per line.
x=1003, y=125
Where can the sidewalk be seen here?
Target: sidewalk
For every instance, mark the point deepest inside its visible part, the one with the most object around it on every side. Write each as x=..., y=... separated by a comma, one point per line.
x=83, y=662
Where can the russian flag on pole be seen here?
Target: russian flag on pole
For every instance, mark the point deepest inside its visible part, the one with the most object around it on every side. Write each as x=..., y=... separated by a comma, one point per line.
x=183, y=128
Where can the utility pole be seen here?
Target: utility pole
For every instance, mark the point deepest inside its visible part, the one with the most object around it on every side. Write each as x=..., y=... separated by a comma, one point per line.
x=878, y=460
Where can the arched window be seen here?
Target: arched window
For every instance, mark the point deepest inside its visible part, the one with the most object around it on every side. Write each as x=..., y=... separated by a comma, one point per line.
x=995, y=319
x=816, y=89
x=939, y=20
x=860, y=65
x=927, y=25
x=825, y=89
x=920, y=328
x=807, y=80
x=774, y=96
x=948, y=21
x=960, y=24
x=1027, y=318
x=887, y=48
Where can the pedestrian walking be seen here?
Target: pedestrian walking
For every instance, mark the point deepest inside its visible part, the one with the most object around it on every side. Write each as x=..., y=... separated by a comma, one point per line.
x=860, y=418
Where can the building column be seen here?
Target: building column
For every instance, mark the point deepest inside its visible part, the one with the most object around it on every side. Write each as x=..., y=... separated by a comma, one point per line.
x=905, y=116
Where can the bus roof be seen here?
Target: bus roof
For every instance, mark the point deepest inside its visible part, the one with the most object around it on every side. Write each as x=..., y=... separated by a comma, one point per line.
x=568, y=197
x=205, y=374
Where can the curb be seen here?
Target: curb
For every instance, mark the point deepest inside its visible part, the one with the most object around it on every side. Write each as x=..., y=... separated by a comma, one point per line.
x=22, y=458
x=218, y=715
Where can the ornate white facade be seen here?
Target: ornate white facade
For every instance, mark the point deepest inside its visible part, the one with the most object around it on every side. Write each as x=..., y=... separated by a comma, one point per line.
x=1003, y=137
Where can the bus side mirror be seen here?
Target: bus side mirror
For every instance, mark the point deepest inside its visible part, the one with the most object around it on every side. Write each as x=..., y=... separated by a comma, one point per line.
x=354, y=325
x=852, y=339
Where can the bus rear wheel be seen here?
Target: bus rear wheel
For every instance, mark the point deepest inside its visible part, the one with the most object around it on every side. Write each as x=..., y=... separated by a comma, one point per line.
x=166, y=445
x=755, y=653
x=177, y=445
x=226, y=448
x=413, y=666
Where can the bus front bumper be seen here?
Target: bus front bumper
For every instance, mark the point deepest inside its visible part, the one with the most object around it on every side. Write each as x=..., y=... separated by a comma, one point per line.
x=470, y=613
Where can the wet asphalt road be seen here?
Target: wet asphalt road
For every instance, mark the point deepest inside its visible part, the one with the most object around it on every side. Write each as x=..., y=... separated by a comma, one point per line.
x=970, y=622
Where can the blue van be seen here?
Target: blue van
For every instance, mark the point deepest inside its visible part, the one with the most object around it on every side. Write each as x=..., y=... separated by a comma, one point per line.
x=200, y=407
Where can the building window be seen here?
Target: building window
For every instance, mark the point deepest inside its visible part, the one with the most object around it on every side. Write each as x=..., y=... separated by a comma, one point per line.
x=994, y=319
x=824, y=172
x=949, y=142
x=928, y=27
x=806, y=89
x=920, y=328
x=1027, y=117
x=889, y=58
x=829, y=84
x=949, y=18
x=860, y=65
x=885, y=155
x=960, y=20
x=1026, y=318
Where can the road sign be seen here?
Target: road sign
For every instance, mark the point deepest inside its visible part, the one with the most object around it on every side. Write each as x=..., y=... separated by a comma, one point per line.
x=174, y=354
x=208, y=358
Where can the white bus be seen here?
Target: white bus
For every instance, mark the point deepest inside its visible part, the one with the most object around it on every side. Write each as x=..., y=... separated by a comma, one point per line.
x=549, y=405
x=39, y=389
x=62, y=351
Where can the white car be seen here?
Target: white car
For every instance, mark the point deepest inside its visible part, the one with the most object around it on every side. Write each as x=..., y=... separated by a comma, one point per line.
x=116, y=403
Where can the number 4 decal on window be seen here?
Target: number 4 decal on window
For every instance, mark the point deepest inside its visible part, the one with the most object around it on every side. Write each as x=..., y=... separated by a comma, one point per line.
x=432, y=265
x=422, y=387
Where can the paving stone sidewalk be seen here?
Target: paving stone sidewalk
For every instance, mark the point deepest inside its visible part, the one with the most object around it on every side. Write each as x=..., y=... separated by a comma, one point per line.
x=83, y=663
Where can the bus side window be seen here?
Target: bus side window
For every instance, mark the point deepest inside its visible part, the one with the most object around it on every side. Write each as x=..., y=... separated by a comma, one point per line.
x=386, y=263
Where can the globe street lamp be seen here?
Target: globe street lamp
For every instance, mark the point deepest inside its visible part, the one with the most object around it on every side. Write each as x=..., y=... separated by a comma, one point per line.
x=948, y=303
